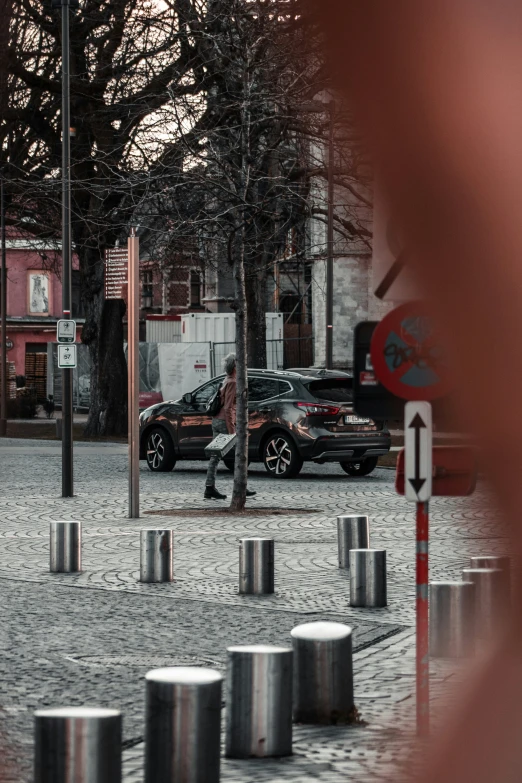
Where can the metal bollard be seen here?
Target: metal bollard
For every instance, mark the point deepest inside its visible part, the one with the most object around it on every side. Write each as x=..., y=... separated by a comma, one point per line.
x=368, y=577
x=353, y=532
x=323, y=673
x=256, y=566
x=502, y=562
x=452, y=619
x=183, y=725
x=65, y=547
x=156, y=555
x=259, y=701
x=77, y=745
x=490, y=599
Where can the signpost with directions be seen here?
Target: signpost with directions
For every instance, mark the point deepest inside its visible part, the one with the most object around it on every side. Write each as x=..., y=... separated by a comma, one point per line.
x=66, y=356
x=66, y=331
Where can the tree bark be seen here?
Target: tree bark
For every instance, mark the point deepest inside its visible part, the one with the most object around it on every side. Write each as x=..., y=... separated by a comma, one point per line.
x=241, y=461
x=103, y=333
x=256, y=322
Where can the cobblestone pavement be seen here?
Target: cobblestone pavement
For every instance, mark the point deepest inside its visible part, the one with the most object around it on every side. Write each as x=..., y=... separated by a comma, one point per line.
x=90, y=638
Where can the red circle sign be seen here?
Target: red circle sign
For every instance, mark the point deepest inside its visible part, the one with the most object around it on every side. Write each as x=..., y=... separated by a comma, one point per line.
x=407, y=355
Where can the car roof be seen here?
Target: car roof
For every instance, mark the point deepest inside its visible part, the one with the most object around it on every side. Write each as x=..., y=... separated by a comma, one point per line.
x=320, y=372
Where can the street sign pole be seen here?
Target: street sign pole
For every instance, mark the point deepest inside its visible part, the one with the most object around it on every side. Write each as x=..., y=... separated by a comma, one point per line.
x=418, y=447
x=330, y=241
x=133, y=374
x=422, y=622
x=67, y=374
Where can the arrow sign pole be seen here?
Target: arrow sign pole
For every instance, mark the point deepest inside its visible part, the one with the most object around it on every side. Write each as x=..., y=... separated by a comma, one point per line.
x=418, y=485
x=418, y=446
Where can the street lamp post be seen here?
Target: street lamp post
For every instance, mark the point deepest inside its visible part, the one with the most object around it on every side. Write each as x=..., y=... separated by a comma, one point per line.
x=319, y=107
x=67, y=374
x=330, y=240
x=3, y=306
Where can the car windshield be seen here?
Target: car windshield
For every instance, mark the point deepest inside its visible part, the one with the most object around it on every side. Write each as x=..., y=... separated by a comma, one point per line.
x=332, y=389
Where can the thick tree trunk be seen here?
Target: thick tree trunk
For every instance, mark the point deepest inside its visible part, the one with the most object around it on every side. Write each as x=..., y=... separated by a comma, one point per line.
x=103, y=333
x=256, y=323
x=241, y=461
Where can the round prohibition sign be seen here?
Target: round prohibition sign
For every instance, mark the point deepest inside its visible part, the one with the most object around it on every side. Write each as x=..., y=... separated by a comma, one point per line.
x=407, y=355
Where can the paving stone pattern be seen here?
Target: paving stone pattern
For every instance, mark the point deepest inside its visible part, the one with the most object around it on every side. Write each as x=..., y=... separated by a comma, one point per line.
x=90, y=638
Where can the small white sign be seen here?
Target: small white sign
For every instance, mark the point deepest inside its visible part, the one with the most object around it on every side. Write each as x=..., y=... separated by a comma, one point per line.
x=66, y=356
x=66, y=331
x=418, y=447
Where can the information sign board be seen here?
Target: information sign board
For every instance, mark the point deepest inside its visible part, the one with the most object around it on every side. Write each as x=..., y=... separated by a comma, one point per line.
x=66, y=331
x=66, y=356
x=370, y=397
x=116, y=272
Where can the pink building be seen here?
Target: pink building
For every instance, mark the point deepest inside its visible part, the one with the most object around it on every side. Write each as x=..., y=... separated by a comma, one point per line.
x=34, y=304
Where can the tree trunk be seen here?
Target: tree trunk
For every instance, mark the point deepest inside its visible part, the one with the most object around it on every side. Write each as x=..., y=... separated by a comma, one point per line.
x=256, y=322
x=241, y=461
x=103, y=333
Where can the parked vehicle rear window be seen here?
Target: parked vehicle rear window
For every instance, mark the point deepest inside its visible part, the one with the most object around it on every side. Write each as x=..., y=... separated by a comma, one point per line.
x=332, y=390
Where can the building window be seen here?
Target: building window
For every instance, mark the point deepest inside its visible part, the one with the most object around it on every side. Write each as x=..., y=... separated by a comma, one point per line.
x=195, y=289
x=146, y=289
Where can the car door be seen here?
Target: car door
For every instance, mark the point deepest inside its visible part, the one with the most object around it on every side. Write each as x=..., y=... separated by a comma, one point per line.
x=195, y=424
x=263, y=395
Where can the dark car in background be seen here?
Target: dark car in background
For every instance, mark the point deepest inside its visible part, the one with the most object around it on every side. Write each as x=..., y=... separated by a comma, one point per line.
x=294, y=416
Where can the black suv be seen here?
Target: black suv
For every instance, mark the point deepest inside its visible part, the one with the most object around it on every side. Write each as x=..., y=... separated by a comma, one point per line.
x=294, y=415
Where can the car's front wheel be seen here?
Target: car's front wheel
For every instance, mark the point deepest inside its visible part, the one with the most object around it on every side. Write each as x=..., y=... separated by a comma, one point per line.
x=281, y=458
x=160, y=451
x=361, y=468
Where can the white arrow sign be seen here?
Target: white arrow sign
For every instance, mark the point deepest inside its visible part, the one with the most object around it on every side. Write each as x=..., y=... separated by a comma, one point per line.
x=418, y=447
x=66, y=356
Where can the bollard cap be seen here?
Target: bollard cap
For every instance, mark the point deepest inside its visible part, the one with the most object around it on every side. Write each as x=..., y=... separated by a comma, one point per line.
x=184, y=675
x=66, y=522
x=321, y=632
x=253, y=538
x=362, y=517
x=259, y=649
x=86, y=713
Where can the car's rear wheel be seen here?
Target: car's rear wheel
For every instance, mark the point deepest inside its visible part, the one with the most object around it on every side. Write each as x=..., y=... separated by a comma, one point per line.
x=281, y=458
x=361, y=468
x=160, y=451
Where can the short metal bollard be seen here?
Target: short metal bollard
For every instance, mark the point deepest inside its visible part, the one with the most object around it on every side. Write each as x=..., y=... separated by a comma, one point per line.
x=452, y=619
x=65, y=547
x=256, y=566
x=183, y=725
x=77, y=745
x=353, y=532
x=502, y=562
x=323, y=673
x=156, y=555
x=490, y=599
x=368, y=577
x=259, y=701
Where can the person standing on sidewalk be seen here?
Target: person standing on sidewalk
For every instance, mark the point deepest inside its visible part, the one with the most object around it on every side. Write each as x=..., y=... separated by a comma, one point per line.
x=223, y=423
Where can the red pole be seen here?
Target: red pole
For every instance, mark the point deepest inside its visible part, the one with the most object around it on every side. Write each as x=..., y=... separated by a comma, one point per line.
x=423, y=653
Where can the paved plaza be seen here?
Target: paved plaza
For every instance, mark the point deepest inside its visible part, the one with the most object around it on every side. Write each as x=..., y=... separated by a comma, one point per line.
x=88, y=639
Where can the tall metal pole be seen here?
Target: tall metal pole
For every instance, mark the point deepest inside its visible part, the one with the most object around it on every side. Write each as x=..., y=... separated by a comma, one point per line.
x=330, y=242
x=3, y=306
x=133, y=348
x=422, y=623
x=67, y=374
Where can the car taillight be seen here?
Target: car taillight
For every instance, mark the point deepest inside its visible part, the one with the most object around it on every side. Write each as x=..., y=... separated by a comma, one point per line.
x=315, y=409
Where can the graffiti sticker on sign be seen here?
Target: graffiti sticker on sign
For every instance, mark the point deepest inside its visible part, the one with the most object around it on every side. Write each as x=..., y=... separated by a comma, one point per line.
x=407, y=355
